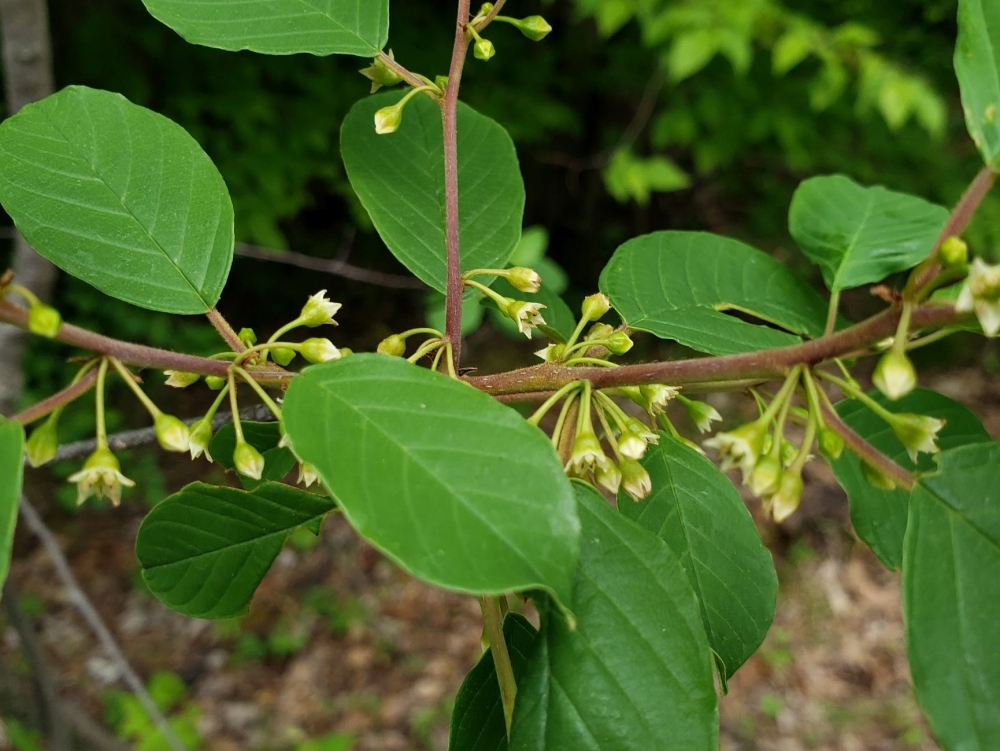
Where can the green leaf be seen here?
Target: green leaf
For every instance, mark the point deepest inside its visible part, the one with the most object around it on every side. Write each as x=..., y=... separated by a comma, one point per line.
x=860, y=235
x=477, y=722
x=400, y=181
x=455, y=487
x=280, y=27
x=11, y=474
x=794, y=46
x=120, y=197
x=629, y=177
x=696, y=510
x=636, y=673
x=263, y=436
x=676, y=285
x=690, y=52
x=977, y=64
x=879, y=516
x=951, y=597
x=204, y=550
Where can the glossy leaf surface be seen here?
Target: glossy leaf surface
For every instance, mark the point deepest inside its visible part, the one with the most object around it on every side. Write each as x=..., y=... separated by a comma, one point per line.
x=636, y=674
x=263, y=436
x=859, y=235
x=11, y=474
x=696, y=510
x=120, y=197
x=477, y=722
x=455, y=487
x=977, y=64
x=951, y=597
x=204, y=550
x=400, y=181
x=280, y=27
x=879, y=516
x=678, y=285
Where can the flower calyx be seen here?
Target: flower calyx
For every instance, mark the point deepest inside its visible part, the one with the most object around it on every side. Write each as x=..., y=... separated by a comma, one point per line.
x=381, y=74
x=101, y=477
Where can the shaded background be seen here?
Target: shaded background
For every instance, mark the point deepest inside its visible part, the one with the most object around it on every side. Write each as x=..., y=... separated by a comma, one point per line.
x=633, y=116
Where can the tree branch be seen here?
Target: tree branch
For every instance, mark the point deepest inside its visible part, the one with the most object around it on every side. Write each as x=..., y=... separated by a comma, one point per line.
x=449, y=118
x=764, y=365
x=82, y=603
x=865, y=451
x=59, y=399
x=335, y=267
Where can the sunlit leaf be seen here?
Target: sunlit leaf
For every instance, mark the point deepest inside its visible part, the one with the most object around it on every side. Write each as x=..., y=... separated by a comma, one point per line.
x=977, y=64
x=120, y=197
x=455, y=487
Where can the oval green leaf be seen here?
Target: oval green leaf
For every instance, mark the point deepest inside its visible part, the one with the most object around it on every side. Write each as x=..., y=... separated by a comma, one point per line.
x=696, y=510
x=120, y=197
x=676, y=285
x=204, y=550
x=455, y=487
x=280, y=27
x=400, y=181
x=951, y=597
x=11, y=474
x=859, y=235
x=636, y=673
x=879, y=516
x=477, y=721
x=977, y=65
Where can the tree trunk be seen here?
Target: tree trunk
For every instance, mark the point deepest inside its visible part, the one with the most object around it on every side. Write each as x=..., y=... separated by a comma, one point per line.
x=27, y=63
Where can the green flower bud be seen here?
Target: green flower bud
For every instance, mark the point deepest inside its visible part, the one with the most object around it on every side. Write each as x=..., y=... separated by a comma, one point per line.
x=248, y=337
x=388, y=119
x=44, y=320
x=599, y=331
x=345, y=352
x=524, y=279
x=895, y=375
x=831, y=445
x=180, y=379
x=535, y=28
x=381, y=74
x=172, y=434
x=393, y=346
x=441, y=82
x=307, y=474
x=765, y=479
x=619, y=343
x=877, y=478
x=43, y=444
x=595, y=306
x=552, y=353
x=609, y=477
x=954, y=252
x=484, y=50
x=283, y=355
x=199, y=438
x=216, y=383
x=587, y=453
x=701, y=414
x=784, y=503
x=632, y=445
x=319, y=350
x=248, y=460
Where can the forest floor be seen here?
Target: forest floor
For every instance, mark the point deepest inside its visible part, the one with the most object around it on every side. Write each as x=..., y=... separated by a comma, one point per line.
x=339, y=642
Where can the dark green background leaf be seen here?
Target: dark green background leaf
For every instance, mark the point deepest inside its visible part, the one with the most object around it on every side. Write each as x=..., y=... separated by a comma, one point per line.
x=280, y=27
x=400, y=181
x=477, y=722
x=11, y=473
x=636, y=674
x=205, y=549
x=120, y=197
x=977, y=64
x=879, y=516
x=676, y=285
x=455, y=487
x=951, y=597
x=859, y=235
x=263, y=436
x=696, y=510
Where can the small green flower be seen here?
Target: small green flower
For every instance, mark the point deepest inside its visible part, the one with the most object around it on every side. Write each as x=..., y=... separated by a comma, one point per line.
x=43, y=444
x=595, y=306
x=783, y=504
x=179, y=379
x=527, y=315
x=740, y=447
x=101, y=476
x=199, y=437
x=765, y=479
x=524, y=279
x=981, y=293
x=381, y=74
x=831, y=444
x=917, y=433
x=319, y=350
x=608, y=476
x=587, y=454
x=635, y=479
x=318, y=310
x=307, y=474
x=701, y=414
x=484, y=50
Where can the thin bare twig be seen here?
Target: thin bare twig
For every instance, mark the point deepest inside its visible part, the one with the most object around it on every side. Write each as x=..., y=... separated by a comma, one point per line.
x=82, y=603
x=334, y=267
x=59, y=399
